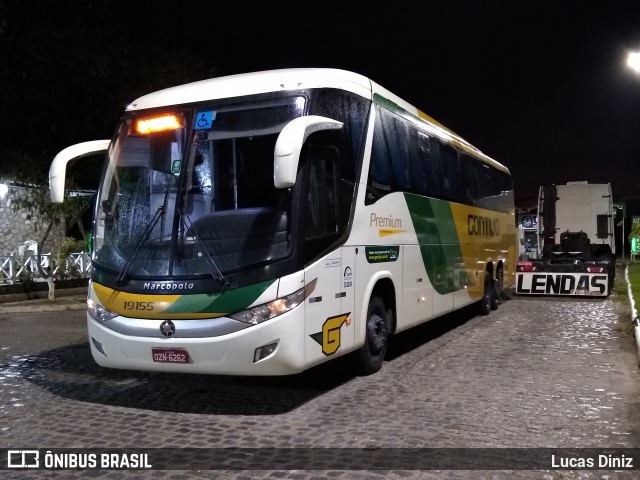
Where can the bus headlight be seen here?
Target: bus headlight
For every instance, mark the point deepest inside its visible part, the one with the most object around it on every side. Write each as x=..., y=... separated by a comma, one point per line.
x=98, y=312
x=267, y=311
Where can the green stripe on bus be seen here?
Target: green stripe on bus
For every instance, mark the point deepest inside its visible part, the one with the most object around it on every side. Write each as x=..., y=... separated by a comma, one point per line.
x=439, y=244
x=229, y=301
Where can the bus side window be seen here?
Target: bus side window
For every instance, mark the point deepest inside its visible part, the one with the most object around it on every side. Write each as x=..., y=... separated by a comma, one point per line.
x=322, y=218
x=450, y=173
x=429, y=161
x=389, y=169
x=472, y=180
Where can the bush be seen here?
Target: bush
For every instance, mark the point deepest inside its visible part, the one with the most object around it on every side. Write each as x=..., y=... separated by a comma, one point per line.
x=634, y=281
x=69, y=246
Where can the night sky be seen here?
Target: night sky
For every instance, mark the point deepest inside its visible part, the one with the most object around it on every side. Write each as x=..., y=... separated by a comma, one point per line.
x=541, y=86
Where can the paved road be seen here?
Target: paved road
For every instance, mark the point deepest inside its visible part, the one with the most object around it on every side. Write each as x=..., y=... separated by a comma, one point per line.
x=537, y=373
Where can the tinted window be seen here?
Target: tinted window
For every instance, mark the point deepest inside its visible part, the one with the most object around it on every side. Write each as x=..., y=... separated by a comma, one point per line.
x=403, y=158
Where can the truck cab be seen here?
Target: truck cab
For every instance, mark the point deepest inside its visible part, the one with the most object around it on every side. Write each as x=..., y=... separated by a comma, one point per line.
x=576, y=244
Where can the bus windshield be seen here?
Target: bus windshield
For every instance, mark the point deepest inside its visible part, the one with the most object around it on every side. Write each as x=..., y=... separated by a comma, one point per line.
x=191, y=193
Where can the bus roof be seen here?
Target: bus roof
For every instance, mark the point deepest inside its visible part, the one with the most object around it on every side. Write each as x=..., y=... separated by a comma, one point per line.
x=254, y=83
x=291, y=79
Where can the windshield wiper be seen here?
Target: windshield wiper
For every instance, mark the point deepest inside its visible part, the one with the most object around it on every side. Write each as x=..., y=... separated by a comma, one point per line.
x=213, y=267
x=122, y=277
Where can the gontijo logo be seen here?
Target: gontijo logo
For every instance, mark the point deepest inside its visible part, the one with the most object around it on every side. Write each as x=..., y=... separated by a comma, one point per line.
x=483, y=226
x=329, y=337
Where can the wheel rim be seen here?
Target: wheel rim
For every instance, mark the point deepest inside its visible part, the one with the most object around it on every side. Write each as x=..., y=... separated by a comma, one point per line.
x=487, y=290
x=376, y=332
x=499, y=282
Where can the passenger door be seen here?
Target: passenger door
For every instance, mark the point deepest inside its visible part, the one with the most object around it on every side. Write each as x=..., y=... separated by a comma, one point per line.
x=327, y=331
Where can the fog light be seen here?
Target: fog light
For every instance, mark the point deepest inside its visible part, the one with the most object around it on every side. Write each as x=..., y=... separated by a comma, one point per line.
x=264, y=352
x=99, y=346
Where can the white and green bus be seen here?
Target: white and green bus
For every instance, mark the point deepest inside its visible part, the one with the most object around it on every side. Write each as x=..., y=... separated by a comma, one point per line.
x=265, y=223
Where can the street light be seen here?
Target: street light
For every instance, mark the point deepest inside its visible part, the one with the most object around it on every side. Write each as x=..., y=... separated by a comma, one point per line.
x=633, y=61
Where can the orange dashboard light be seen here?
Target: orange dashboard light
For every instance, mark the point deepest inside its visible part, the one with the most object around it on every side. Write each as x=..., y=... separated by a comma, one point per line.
x=157, y=124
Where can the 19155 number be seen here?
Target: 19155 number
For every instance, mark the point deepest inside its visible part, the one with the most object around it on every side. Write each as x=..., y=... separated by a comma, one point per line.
x=138, y=305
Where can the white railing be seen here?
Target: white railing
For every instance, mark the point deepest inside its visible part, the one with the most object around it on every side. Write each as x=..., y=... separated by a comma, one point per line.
x=15, y=268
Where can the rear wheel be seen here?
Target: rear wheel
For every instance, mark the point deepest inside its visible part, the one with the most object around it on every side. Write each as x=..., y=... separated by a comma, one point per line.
x=611, y=272
x=497, y=289
x=488, y=295
x=371, y=355
x=612, y=281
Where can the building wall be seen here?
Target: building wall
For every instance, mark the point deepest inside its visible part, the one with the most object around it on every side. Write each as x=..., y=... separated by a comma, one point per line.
x=18, y=227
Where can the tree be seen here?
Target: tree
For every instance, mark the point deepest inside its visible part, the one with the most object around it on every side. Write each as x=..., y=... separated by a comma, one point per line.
x=69, y=69
x=34, y=199
x=634, y=237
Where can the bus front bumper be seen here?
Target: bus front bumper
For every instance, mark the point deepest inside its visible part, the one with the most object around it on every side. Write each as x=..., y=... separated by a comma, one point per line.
x=274, y=347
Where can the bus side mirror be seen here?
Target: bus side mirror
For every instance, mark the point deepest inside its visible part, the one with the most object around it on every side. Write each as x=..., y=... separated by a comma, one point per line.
x=286, y=155
x=58, y=168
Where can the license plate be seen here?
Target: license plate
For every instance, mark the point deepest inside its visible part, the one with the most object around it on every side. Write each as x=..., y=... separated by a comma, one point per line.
x=170, y=355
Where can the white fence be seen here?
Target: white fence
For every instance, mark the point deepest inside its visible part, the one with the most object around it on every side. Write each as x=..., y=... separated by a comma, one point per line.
x=14, y=268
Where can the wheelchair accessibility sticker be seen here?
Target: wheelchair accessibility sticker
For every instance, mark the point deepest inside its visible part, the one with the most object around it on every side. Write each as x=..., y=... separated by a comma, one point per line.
x=204, y=120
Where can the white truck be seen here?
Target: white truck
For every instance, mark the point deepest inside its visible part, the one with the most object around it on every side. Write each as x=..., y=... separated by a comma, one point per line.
x=576, y=244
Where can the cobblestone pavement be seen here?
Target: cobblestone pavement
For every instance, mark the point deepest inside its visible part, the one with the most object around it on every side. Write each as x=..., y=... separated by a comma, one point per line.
x=537, y=373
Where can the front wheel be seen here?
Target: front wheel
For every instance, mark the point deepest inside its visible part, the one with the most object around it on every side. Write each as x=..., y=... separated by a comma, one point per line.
x=371, y=355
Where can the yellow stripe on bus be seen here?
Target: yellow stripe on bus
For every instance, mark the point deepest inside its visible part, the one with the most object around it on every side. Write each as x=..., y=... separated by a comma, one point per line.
x=484, y=236
x=143, y=306
x=383, y=232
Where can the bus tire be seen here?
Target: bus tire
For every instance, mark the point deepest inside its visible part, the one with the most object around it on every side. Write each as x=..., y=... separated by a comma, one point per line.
x=484, y=305
x=496, y=290
x=376, y=339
